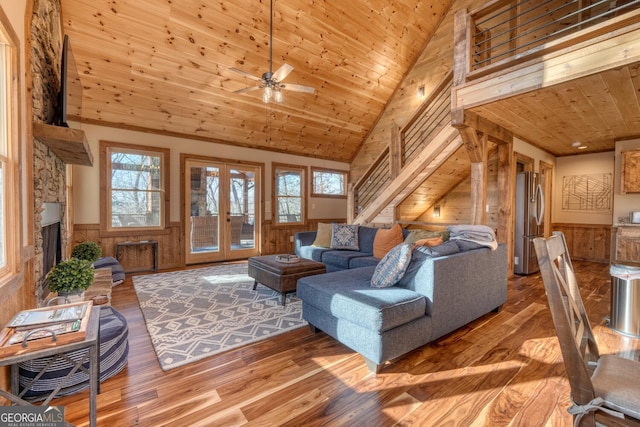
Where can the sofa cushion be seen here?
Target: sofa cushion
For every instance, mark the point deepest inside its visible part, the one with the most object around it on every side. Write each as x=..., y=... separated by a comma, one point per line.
x=386, y=239
x=340, y=258
x=323, y=236
x=366, y=237
x=312, y=252
x=363, y=261
x=344, y=236
x=391, y=268
x=348, y=295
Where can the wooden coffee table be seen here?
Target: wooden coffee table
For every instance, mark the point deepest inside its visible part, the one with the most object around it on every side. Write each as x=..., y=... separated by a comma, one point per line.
x=279, y=276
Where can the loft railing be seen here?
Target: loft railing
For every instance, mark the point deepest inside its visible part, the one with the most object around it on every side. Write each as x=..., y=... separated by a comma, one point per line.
x=372, y=182
x=505, y=31
x=431, y=117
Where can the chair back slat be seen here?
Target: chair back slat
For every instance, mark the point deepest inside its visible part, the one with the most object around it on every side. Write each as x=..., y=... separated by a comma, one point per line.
x=572, y=325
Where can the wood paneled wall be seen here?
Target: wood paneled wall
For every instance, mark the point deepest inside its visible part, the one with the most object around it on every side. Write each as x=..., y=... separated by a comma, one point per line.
x=589, y=242
x=170, y=253
x=275, y=239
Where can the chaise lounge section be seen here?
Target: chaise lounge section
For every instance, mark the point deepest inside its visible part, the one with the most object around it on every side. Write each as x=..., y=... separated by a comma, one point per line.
x=443, y=288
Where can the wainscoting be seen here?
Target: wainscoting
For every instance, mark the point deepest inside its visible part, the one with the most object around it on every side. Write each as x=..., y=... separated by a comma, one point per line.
x=170, y=246
x=589, y=242
x=275, y=239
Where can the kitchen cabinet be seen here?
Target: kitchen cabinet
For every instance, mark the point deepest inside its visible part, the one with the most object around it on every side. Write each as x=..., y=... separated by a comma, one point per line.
x=627, y=243
x=630, y=171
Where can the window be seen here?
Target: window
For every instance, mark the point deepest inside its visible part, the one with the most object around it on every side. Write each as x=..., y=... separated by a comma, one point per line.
x=328, y=183
x=289, y=194
x=9, y=191
x=135, y=181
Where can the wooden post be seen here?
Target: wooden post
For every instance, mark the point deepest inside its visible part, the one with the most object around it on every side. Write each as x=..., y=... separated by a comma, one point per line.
x=395, y=151
x=479, y=182
x=461, y=45
x=506, y=191
x=351, y=204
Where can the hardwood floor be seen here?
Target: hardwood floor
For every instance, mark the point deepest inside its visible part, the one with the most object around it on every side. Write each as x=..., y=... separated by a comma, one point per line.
x=502, y=369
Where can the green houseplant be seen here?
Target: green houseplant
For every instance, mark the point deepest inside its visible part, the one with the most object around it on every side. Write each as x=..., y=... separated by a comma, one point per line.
x=72, y=276
x=88, y=250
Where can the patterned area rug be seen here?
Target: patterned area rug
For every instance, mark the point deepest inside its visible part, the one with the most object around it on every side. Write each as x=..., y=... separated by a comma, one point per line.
x=194, y=314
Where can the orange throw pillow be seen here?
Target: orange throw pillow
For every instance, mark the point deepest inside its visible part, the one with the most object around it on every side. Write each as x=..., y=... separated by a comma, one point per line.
x=433, y=241
x=386, y=239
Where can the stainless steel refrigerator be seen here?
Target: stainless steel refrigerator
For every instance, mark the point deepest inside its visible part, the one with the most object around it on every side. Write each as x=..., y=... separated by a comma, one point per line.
x=529, y=211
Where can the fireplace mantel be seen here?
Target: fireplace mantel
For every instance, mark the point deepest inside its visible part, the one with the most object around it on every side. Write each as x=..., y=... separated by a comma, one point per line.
x=70, y=145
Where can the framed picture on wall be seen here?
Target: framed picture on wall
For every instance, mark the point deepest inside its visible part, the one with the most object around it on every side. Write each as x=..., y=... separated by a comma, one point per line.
x=587, y=193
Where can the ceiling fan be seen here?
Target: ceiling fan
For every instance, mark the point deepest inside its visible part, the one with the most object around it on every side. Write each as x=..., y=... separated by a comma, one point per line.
x=272, y=82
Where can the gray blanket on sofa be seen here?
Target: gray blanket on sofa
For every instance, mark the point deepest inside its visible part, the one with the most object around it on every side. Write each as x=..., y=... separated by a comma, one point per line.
x=480, y=234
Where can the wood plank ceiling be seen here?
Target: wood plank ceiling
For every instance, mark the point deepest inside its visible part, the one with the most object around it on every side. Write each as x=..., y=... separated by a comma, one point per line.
x=595, y=110
x=163, y=66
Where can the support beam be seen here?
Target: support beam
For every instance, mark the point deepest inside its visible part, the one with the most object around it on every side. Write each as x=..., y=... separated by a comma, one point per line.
x=460, y=118
x=506, y=192
x=395, y=151
x=479, y=183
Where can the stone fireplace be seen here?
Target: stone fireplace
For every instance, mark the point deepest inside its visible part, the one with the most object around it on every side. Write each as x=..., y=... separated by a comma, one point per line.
x=49, y=172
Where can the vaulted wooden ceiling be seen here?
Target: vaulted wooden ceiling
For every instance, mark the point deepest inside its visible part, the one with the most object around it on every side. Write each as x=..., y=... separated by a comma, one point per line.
x=163, y=66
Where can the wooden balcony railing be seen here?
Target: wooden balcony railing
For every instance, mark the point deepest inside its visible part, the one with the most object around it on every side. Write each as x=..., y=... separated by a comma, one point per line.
x=494, y=36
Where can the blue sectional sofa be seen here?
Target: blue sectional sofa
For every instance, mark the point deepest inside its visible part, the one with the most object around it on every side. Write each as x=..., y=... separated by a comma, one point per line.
x=436, y=295
x=339, y=259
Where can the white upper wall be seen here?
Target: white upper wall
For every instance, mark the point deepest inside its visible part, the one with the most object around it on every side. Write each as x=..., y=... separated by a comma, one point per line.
x=86, y=180
x=585, y=164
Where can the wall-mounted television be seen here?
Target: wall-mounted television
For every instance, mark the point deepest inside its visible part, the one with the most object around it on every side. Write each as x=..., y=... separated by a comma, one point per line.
x=70, y=95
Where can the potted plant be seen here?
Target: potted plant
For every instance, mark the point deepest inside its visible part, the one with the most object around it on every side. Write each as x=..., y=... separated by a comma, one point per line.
x=88, y=250
x=71, y=277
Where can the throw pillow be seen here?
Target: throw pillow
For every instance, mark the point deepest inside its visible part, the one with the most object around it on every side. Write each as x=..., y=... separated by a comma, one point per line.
x=447, y=248
x=386, y=239
x=344, y=236
x=391, y=268
x=323, y=236
x=433, y=241
x=415, y=235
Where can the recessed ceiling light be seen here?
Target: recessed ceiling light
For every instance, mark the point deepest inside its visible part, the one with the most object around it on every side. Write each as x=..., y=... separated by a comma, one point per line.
x=576, y=144
x=582, y=147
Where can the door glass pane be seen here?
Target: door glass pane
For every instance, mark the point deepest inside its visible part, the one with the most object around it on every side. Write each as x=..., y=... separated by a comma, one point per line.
x=205, y=213
x=242, y=205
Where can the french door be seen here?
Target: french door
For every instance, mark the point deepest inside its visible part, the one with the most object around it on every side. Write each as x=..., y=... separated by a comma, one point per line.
x=222, y=212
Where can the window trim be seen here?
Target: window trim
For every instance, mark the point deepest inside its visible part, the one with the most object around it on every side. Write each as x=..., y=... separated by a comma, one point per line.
x=9, y=42
x=345, y=175
x=105, y=190
x=274, y=199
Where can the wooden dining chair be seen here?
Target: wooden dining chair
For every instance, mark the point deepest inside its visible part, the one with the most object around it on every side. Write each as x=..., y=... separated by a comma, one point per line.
x=604, y=389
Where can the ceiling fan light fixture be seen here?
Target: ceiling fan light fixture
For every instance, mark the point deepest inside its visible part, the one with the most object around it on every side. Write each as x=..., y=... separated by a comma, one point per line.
x=266, y=96
x=278, y=96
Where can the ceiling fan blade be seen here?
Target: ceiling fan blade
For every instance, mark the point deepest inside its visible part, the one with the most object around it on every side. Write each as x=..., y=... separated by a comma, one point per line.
x=244, y=73
x=247, y=89
x=282, y=72
x=299, y=88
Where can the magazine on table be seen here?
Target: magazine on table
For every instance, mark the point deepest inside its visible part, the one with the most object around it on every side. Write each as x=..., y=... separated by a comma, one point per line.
x=27, y=319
